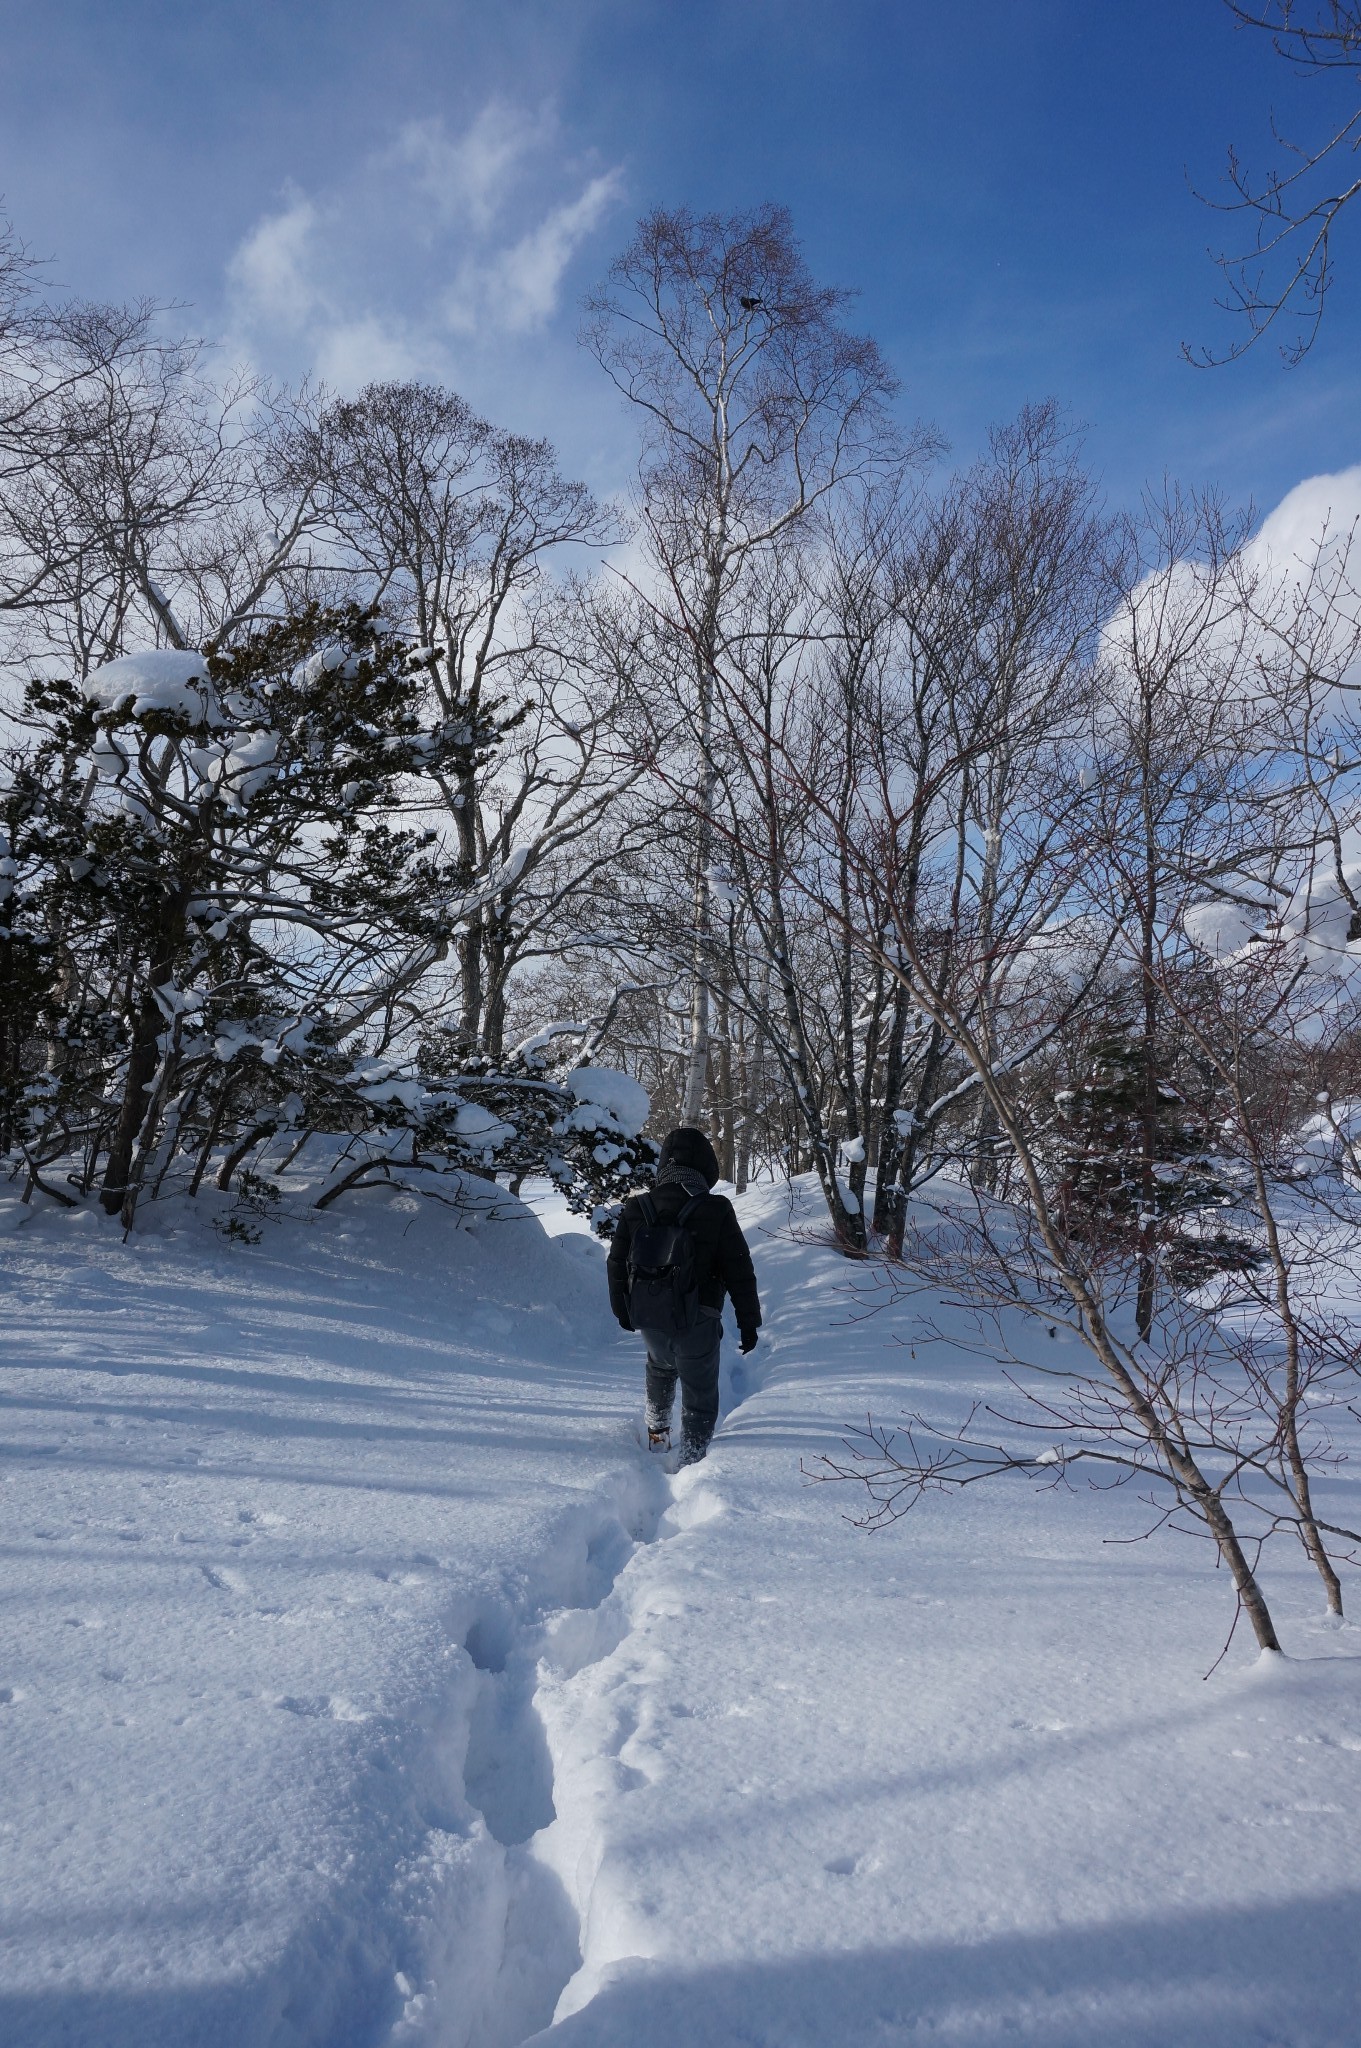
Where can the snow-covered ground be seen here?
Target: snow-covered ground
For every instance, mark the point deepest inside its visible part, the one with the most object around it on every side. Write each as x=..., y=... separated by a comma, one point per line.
x=363, y=1682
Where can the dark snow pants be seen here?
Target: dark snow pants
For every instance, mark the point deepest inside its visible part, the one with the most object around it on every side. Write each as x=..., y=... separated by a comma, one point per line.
x=692, y=1358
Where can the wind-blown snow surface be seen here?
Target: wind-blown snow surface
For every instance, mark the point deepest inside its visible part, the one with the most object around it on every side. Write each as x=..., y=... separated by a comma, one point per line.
x=367, y=1684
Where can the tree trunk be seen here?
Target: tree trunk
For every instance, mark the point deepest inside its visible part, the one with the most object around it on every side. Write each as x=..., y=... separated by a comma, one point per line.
x=143, y=1059
x=727, y=1150
x=470, y=943
x=1310, y=1533
x=742, y=1108
x=692, y=1103
x=926, y=1084
x=697, y=1064
x=214, y=1129
x=1146, y=1289
x=494, y=1012
x=470, y=986
x=886, y=1201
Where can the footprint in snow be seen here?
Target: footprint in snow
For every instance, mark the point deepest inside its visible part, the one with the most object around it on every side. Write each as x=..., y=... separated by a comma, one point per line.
x=321, y=1707
x=223, y=1581
x=317, y=1709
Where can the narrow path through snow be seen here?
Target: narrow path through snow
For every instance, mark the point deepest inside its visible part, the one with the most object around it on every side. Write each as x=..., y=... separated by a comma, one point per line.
x=498, y=1998
x=525, y=1658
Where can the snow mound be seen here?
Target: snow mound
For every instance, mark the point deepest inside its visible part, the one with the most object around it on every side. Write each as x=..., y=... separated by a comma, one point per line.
x=1330, y=1142
x=160, y=679
x=623, y=1104
x=1220, y=930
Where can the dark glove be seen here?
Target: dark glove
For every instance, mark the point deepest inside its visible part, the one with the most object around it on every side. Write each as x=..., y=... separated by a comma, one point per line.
x=747, y=1341
x=624, y=1324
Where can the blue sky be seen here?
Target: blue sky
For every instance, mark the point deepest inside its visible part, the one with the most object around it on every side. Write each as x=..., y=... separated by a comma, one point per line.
x=428, y=186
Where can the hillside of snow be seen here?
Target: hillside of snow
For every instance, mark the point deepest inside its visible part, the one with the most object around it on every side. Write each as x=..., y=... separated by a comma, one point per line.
x=363, y=1683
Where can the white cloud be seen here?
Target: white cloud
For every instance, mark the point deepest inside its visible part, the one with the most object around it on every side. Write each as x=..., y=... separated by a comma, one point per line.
x=1301, y=570
x=1323, y=511
x=472, y=175
x=527, y=280
x=269, y=271
x=518, y=289
x=430, y=254
x=352, y=353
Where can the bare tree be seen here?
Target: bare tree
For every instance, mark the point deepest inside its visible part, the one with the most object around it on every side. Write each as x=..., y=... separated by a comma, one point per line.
x=1215, y=787
x=1019, y=549
x=1297, y=1356
x=455, y=528
x=1182, y=762
x=1152, y=1411
x=1293, y=209
x=903, y=681
x=142, y=502
x=755, y=402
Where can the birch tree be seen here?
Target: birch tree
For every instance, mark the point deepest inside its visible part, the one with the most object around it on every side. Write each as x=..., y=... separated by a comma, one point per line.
x=754, y=402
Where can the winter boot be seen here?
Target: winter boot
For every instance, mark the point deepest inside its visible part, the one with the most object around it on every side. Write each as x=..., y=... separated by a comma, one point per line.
x=659, y=1439
x=693, y=1449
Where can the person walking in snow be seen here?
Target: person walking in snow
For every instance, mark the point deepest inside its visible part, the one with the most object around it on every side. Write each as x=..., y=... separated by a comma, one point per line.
x=676, y=1251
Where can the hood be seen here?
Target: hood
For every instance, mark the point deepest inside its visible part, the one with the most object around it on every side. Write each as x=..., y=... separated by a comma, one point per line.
x=689, y=1147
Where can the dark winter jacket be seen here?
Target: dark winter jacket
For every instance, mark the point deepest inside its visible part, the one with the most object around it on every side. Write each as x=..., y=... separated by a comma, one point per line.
x=722, y=1260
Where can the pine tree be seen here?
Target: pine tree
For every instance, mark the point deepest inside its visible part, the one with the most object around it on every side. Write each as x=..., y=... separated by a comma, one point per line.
x=1138, y=1171
x=222, y=917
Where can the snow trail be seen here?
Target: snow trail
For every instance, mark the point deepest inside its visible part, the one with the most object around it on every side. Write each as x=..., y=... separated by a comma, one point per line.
x=514, y=1776
x=364, y=1684
x=490, y=1985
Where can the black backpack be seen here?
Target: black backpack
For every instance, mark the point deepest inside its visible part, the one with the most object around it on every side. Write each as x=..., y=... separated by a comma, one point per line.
x=663, y=1279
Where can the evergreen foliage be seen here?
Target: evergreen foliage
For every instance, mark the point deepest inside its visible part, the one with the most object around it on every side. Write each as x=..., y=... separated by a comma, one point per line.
x=221, y=906
x=1137, y=1163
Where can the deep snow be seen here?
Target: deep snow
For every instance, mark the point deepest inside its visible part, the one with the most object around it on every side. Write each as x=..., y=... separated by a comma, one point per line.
x=256, y=1501
x=364, y=1682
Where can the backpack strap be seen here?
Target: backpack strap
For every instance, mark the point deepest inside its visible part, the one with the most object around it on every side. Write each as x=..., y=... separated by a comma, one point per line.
x=649, y=1208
